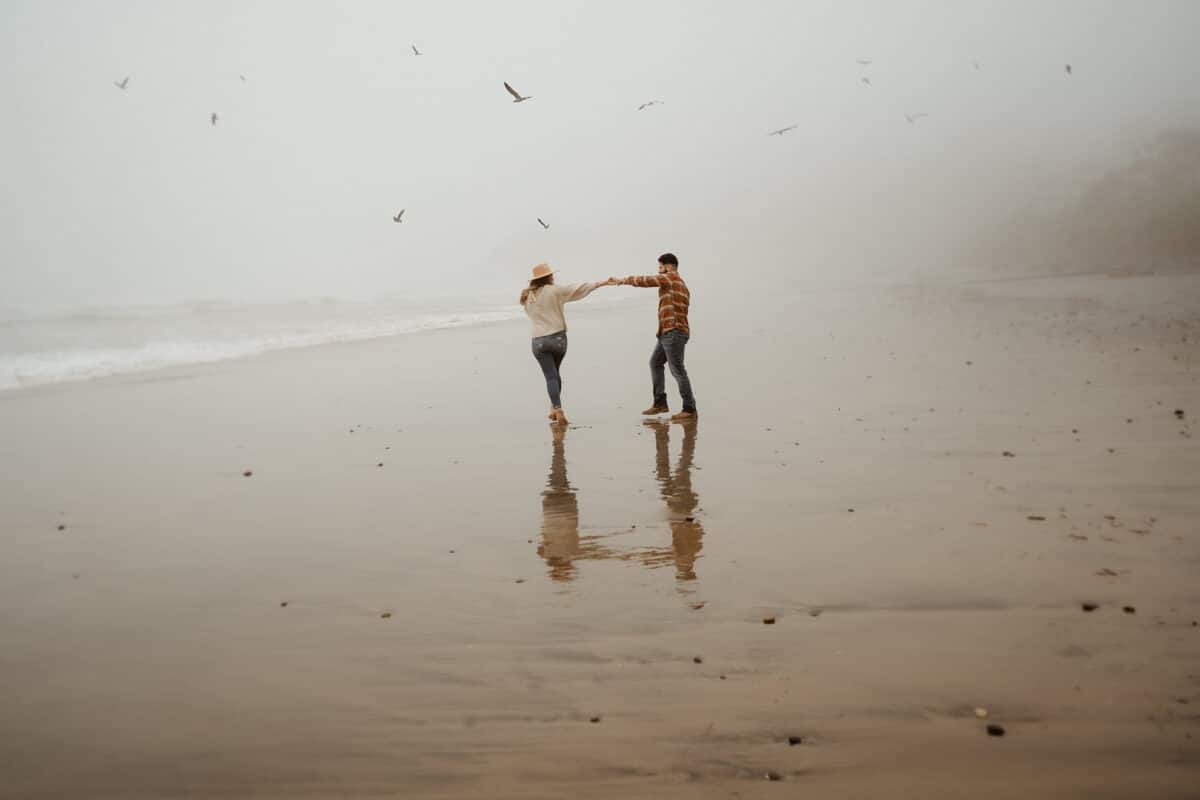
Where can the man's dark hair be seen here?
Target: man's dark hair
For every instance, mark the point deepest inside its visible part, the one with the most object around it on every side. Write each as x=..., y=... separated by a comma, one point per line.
x=668, y=258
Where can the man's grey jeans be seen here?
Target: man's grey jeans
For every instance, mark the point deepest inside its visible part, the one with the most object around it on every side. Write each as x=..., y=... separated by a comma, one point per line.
x=669, y=352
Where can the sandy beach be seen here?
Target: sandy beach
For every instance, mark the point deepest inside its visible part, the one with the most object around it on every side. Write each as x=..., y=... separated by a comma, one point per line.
x=421, y=591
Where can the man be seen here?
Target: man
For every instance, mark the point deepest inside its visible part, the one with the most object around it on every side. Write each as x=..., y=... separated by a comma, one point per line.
x=673, y=334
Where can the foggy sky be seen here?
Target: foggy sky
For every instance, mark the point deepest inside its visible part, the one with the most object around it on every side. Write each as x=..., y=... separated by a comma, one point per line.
x=123, y=197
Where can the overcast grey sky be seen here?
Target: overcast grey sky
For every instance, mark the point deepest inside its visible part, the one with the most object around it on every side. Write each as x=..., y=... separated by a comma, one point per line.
x=117, y=197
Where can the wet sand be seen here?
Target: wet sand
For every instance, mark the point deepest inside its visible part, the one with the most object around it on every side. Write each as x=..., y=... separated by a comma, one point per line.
x=847, y=477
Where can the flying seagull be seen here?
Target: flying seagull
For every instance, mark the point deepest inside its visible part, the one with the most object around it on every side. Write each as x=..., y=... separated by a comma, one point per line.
x=650, y=103
x=781, y=131
x=398, y=217
x=864, y=62
x=213, y=118
x=416, y=52
x=914, y=117
x=121, y=84
x=1068, y=69
x=517, y=98
x=867, y=81
x=243, y=77
x=544, y=225
x=976, y=63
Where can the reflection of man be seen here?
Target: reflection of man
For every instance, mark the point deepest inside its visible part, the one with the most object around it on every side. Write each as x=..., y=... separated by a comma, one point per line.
x=686, y=533
x=560, y=515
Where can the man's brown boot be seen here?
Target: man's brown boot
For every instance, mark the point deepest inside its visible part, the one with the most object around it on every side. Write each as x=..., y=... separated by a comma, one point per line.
x=683, y=416
x=652, y=410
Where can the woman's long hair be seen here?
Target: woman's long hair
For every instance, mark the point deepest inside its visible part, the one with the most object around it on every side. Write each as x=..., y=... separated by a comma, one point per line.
x=530, y=291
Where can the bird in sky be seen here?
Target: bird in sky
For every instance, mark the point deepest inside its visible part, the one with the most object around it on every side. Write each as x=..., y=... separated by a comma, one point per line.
x=416, y=52
x=650, y=103
x=867, y=81
x=517, y=97
x=243, y=78
x=122, y=84
x=976, y=65
x=213, y=118
x=914, y=117
x=781, y=131
x=1068, y=69
x=543, y=224
x=399, y=217
x=864, y=62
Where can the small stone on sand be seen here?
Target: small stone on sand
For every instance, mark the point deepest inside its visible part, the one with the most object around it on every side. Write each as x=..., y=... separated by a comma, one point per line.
x=247, y=474
x=1009, y=454
x=995, y=730
x=62, y=527
x=1106, y=573
x=520, y=580
x=1036, y=518
x=386, y=615
x=795, y=740
x=981, y=713
x=594, y=719
x=1179, y=413
x=815, y=612
x=1090, y=606
x=283, y=604
x=1129, y=609
x=380, y=464
x=768, y=620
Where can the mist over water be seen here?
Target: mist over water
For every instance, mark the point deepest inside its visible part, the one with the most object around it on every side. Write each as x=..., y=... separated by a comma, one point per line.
x=329, y=124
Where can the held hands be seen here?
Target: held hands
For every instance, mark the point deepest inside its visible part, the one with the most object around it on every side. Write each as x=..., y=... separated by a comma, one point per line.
x=613, y=282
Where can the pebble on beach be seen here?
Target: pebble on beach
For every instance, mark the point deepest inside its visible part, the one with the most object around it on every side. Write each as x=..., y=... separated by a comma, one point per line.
x=247, y=473
x=981, y=713
x=1009, y=454
x=1129, y=609
x=995, y=730
x=795, y=740
x=283, y=604
x=62, y=527
x=386, y=615
x=773, y=776
x=1090, y=606
x=768, y=620
x=697, y=660
x=1036, y=518
x=594, y=719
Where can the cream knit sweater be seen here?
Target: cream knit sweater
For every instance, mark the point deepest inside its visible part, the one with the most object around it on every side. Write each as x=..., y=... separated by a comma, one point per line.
x=545, y=306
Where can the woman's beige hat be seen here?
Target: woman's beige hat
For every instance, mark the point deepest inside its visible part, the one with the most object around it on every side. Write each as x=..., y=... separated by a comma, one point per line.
x=542, y=270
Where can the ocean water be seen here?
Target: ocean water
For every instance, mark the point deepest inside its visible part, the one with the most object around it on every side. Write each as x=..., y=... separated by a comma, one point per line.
x=97, y=342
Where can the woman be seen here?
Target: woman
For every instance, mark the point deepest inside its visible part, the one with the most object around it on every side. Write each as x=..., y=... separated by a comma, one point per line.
x=543, y=304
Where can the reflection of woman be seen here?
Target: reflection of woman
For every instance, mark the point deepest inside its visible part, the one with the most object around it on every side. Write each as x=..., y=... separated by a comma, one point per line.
x=543, y=303
x=560, y=515
x=687, y=534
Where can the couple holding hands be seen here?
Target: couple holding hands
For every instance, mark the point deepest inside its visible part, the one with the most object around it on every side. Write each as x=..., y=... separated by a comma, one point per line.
x=543, y=302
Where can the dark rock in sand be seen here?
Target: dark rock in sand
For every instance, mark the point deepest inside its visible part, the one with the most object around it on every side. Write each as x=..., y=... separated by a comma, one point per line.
x=1129, y=609
x=995, y=730
x=689, y=519
x=520, y=580
x=697, y=660
x=723, y=677
x=380, y=464
x=773, y=776
x=283, y=604
x=851, y=510
x=1106, y=573
x=816, y=612
x=795, y=740
x=594, y=719
x=386, y=615
x=1179, y=413
x=1036, y=518
x=768, y=620
x=1009, y=454
x=62, y=527
x=247, y=473
x=1090, y=606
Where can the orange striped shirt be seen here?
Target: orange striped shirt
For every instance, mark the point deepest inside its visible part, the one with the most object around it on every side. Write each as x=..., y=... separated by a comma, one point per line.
x=673, y=299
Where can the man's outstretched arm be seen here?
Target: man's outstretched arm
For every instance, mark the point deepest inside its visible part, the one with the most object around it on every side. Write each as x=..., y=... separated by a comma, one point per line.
x=643, y=281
